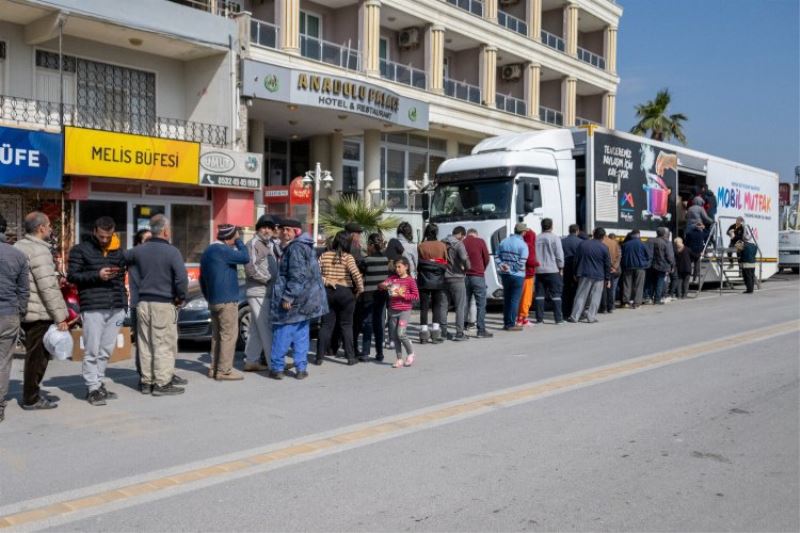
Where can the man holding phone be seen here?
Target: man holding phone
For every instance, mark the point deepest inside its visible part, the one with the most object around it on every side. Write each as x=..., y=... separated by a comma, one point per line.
x=97, y=267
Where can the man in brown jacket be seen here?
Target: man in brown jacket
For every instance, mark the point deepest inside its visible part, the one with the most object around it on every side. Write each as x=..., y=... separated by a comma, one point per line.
x=46, y=306
x=610, y=293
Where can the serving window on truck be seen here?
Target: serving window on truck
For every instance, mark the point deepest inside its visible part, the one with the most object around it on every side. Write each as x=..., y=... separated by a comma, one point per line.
x=635, y=184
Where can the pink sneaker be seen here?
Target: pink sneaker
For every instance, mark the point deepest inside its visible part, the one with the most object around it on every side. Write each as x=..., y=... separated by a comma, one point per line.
x=398, y=364
x=410, y=359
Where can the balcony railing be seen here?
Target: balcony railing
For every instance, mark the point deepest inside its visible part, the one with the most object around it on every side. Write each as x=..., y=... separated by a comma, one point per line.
x=462, y=91
x=473, y=6
x=510, y=104
x=37, y=112
x=512, y=23
x=553, y=41
x=341, y=56
x=222, y=8
x=263, y=34
x=591, y=58
x=580, y=121
x=551, y=116
x=402, y=199
x=407, y=75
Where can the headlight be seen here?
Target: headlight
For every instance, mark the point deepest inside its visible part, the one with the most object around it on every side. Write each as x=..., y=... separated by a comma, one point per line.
x=197, y=304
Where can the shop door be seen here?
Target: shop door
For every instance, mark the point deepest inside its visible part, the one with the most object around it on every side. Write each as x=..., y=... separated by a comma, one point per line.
x=352, y=169
x=142, y=214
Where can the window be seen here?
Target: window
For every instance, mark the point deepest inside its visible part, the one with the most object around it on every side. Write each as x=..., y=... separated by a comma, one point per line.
x=383, y=49
x=408, y=157
x=474, y=200
x=190, y=230
x=465, y=149
x=395, y=178
x=310, y=25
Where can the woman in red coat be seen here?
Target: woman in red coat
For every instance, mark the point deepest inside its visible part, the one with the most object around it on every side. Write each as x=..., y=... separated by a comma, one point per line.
x=530, y=270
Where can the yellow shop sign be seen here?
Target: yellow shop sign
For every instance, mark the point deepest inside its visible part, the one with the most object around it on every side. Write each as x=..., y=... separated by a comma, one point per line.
x=122, y=155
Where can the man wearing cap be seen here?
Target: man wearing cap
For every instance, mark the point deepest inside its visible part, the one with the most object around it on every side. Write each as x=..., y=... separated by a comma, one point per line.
x=298, y=297
x=510, y=259
x=260, y=272
x=220, y=285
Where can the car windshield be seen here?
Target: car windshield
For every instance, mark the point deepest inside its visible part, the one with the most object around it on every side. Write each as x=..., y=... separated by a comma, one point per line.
x=474, y=200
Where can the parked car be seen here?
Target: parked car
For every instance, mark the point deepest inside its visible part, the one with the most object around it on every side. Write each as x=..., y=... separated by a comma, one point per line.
x=194, y=318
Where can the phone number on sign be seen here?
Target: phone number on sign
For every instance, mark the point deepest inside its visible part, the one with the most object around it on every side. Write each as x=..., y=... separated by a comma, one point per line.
x=250, y=183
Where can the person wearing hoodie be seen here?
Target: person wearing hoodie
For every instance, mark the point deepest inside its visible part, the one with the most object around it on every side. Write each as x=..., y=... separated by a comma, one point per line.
x=526, y=300
x=634, y=266
x=219, y=281
x=431, y=269
x=297, y=298
x=570, y=245
x=260, y=274
x=455, y=281
x=46, y=306
x=97, y=267
x=14, y=294
x=548, y=281
x=696, y=214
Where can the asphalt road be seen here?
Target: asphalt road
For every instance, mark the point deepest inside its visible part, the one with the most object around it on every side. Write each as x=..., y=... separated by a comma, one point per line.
x=678, y=417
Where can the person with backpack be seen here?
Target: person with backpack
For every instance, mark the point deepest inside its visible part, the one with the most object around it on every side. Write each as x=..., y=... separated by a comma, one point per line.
x=431, y=283
x=455, y=281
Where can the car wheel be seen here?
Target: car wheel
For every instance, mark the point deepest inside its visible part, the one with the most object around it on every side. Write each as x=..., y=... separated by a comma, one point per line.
x=244, y=327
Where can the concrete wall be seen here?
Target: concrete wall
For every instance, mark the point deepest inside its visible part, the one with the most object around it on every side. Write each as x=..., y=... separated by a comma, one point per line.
x=513, y=88
x=592, y=41
x=550, y=94
x=198, y=90
x=590, y=107
x=464, y=65
x=415, y=56
x=517, y=10
x=261, y=9
x=153, y=15
x=553, y=21
x=341, y=26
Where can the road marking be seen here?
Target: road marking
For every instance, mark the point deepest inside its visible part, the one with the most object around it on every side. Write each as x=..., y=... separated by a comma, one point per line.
x=106, y=497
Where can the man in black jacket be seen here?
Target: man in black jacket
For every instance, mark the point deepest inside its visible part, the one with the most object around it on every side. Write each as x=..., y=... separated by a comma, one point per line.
x=97, y=267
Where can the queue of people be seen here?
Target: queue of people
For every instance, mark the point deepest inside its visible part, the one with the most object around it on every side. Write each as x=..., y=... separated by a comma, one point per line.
x=359, y=298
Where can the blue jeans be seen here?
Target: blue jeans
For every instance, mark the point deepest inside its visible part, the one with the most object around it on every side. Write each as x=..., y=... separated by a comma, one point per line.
x=512, y=293
x=476, y=288
x=373, y=323
x=295, y=336
x=659, y=287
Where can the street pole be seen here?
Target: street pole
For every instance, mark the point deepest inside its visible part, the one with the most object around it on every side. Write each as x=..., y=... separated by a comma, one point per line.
x=317, y=179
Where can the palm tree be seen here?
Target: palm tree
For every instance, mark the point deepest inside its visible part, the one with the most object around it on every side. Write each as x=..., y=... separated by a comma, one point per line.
x=653, y=119
x=340, y=210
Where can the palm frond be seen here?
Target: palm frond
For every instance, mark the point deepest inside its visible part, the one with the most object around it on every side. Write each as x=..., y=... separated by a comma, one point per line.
x=341, y=210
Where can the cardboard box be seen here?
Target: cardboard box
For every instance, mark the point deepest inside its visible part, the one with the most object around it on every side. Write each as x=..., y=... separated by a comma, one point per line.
x=122, y=349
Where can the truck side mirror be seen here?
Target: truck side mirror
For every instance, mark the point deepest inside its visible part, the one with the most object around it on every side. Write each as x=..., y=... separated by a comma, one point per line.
x=426, y=206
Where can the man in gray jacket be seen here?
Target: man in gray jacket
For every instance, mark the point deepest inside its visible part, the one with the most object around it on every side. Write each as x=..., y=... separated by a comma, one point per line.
x=549, y=283
x=45, y=306
x=162, y=289
x=455, y=278
x=14, y=295
x=260, y=272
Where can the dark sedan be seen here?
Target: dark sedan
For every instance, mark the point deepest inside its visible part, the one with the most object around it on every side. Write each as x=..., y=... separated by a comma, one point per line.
x=194, y=318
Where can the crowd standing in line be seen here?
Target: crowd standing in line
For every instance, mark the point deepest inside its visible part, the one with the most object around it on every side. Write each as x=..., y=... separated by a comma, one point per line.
x=356, y=294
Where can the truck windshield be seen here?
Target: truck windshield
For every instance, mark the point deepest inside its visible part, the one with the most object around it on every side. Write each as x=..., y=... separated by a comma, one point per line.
x=474, y=200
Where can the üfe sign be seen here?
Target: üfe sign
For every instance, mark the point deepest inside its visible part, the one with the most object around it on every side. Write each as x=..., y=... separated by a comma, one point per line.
x=230, y=169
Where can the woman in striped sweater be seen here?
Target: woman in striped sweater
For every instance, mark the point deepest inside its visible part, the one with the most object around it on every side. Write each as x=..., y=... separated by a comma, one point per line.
x=373, y=301
x=343, y=284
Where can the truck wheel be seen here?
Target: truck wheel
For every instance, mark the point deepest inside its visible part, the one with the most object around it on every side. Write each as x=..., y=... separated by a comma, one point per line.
x=244, y=327
x=795, y=270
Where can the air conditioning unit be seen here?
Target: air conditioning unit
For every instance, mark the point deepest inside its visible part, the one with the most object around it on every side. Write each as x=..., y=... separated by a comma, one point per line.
x=506, y=3
x=408, y=38
x=511, y=72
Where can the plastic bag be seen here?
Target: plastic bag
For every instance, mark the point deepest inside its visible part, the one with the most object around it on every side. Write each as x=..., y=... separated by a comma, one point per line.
x=58, y=343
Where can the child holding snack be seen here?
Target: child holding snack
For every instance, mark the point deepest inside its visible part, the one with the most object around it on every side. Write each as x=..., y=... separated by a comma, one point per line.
x=402, y=290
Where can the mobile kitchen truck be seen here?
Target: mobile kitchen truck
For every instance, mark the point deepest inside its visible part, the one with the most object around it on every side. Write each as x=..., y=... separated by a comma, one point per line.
x=596, y=178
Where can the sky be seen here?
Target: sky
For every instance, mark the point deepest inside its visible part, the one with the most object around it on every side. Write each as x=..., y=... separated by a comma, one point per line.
x=732, y=66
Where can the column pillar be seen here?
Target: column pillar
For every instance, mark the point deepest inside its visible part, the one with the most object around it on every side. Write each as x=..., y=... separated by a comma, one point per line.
x=487, y=71
x=319, y=152
x=533, y=77
x=369, y=32
x=372, y=163
x=609, y=110
x=337, y=160
x=571, y=29
x=611, y=49
x=287, y=16
x=434, y=57
x=533, y=16
x=490, y=10
x=569, y=97
x=451, y=148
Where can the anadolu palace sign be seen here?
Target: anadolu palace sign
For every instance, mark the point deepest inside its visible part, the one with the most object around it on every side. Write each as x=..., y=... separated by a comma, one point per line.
x=270, y=82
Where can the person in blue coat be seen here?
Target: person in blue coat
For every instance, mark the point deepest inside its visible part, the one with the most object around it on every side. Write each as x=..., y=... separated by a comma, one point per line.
x=219, y=282
x=635, y=260
x=298, y=297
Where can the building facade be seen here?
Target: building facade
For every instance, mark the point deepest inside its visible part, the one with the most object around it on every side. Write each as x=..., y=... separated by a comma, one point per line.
x=148, y=95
